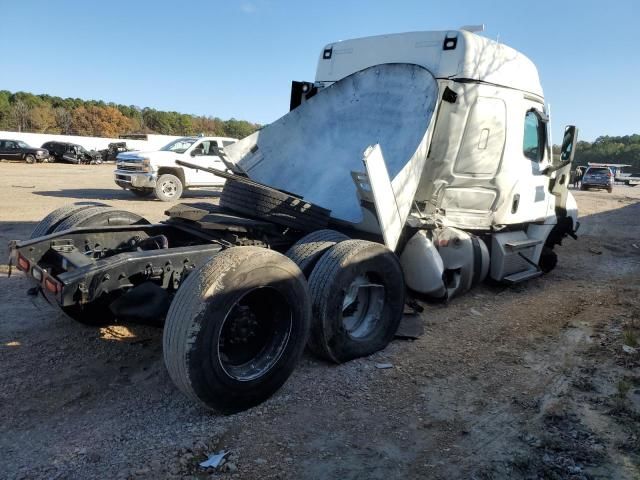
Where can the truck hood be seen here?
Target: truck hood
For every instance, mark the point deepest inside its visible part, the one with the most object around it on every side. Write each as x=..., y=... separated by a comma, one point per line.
x=153, y=155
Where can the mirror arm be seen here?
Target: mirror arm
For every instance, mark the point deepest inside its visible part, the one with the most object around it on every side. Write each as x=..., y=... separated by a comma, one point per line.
x=550, y=169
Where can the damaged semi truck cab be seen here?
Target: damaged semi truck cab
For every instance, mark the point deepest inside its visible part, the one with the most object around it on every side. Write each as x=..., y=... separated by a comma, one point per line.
x=485, y=173
x=418, y=162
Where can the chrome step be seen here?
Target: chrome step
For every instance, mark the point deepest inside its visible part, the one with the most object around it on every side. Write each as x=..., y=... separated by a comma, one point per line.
x=521, y=276
x=515, y=245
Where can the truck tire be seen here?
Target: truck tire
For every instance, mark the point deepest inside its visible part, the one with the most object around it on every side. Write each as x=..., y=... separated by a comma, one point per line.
x=97, y=313
x=273, y=205
x=142, y=192
x=30, y=159
x=169, y=188
x=51, y=221
x=237, y=328
x=100, y=216
x=548, y=259
x=357, y=294
x=307, y=251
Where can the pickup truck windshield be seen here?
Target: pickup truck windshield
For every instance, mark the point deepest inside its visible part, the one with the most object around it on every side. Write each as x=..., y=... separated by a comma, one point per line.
x=179, y=146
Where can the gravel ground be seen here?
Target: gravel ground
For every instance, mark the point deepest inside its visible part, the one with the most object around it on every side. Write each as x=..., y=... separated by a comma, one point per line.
x=530, y=381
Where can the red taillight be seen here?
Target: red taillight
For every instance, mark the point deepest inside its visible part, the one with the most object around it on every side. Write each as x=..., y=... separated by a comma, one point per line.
x=22, y=263
x=51, y=285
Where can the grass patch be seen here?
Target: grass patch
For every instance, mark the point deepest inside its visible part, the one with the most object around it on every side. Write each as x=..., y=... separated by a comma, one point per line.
x=630, y=338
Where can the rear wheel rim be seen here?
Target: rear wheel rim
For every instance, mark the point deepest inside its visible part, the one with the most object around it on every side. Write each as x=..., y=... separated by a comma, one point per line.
x=254, y=334
x=362, y=306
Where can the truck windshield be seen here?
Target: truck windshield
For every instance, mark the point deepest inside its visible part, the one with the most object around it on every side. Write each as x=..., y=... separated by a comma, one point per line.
x=179, y=146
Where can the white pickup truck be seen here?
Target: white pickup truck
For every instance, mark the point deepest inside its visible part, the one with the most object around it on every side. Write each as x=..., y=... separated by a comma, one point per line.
x=144, y=173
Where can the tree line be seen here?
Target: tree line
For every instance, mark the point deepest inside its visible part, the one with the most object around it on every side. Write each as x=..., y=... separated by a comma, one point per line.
x=26, y=112
x=609, y=149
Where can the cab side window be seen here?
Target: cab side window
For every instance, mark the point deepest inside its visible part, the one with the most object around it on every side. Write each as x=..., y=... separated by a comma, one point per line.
x=209, y=148
x=534, y=136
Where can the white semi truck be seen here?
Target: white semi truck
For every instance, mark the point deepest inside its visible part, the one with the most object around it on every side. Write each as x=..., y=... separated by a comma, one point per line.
x=414, y=164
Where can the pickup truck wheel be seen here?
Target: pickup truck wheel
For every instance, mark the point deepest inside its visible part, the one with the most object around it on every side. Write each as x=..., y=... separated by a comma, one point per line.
x=51, y=221
x=307, y=251
x=357, y=294
x=100, y=216
x=142, y=192
x=266, y=203
x=237, y=327
x=168, y=188
x=30, y=159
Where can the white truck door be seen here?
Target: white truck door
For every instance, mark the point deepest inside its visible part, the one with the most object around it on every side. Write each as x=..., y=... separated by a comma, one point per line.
x=204, y=153
x=533, y=199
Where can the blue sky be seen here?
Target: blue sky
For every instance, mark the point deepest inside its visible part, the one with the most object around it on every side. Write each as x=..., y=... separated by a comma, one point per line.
x=236, y=58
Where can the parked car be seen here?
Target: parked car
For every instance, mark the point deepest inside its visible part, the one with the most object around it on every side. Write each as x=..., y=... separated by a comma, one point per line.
x=71, y=153
x=110, y=153
x=19, y=150
x=156, y=172
x=597, y=177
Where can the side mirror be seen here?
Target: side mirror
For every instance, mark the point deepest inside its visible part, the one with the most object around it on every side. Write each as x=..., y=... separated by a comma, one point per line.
x=567, y=152
x=193, y=153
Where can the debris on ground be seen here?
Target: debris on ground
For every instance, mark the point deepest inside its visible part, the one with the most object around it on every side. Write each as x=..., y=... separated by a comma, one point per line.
x=411, y=327
x=214, y=460
x=383, y=366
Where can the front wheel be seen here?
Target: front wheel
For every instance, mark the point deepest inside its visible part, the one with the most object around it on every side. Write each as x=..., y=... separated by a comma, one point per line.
x=237, y=327
x=548, y=260
x=168, y=188
x=30, y=159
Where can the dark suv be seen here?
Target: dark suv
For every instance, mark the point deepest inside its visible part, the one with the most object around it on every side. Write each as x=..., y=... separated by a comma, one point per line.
x=18, y=150
x=71, y=153
x=597, y=177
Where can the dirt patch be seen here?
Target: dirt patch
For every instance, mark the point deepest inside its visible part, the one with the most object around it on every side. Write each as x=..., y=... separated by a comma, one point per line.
x=525, y=382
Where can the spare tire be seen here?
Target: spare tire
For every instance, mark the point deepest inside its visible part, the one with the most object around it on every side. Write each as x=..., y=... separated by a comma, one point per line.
x=267, y=203
x=99, y=217
x=357, y=294
x=51, y=221
x=237, y=327
x=307, y=251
